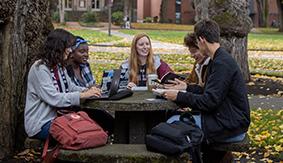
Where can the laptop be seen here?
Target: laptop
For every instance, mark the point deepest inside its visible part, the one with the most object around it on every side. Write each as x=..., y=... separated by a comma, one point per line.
x=109, y=84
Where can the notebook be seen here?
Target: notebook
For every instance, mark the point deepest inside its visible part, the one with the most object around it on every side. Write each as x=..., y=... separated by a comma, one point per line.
x=109, y=84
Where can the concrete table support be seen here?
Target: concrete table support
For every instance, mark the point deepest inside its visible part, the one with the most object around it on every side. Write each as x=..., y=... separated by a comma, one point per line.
x=135, y=115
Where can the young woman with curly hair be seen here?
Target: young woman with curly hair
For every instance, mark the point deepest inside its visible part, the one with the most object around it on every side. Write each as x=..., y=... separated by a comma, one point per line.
x=49, y=87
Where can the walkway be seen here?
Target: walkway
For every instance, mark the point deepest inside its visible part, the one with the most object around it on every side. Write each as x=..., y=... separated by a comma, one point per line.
x=266, y=102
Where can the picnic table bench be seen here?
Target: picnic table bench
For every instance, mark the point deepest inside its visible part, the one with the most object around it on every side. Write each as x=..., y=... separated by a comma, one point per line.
x=124, y=153
x=137, y=153
x=130, y=153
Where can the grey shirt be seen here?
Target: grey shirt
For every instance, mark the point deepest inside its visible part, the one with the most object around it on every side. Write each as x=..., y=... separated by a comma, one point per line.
x=42, y=96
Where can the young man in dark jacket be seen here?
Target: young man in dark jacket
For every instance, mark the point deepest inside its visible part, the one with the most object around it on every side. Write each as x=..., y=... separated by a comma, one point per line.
x=223, y=105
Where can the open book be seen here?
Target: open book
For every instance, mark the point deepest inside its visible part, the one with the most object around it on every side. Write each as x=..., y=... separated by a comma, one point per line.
x=160, y=92
x=170, y=76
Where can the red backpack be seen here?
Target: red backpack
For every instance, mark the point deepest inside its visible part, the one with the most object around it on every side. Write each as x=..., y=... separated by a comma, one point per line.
x=77, y=131
x=74, y=131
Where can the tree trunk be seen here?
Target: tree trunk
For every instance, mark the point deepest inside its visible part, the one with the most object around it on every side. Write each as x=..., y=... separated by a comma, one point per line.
x=128, y=9
x=61, y=11
x=235, y=25
x=261, y=14
x=24, y=24
x=266, y=13
x=202, y=9
x=163, y=11
x=280, y=13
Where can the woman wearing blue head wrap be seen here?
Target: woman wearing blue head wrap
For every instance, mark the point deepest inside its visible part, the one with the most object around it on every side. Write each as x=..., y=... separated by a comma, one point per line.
x=78, y=68
x=80, y=73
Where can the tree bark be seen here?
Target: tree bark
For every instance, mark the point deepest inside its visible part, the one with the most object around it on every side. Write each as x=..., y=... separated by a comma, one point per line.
x=163, y=10
x=128, y=9
x=201, y=8
x=235, y=25
x=280, y=13
x=260, y=9
x=24, y=24
x=61, y=11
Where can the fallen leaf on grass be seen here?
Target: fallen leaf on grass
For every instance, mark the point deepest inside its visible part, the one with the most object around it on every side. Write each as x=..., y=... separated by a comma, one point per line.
x=250, y=83
x=278, y=148
x=266, y=160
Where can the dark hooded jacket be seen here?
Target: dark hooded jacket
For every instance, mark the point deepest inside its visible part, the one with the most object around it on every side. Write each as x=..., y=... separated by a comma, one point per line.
x=223, y=103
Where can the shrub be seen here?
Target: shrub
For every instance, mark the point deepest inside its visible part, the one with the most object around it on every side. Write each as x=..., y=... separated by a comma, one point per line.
x=155, y=19
x=148, y=20
x=89, y=17
x=67, y=16
x=55, y=17
x=117, y=17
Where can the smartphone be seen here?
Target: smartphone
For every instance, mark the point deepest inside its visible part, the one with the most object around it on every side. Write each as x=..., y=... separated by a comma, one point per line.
x=157, y=81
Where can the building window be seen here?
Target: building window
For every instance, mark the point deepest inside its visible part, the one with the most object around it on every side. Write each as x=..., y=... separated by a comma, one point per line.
x=82, y=4
x=68, y=3
x=95, y=4
x=178, y=11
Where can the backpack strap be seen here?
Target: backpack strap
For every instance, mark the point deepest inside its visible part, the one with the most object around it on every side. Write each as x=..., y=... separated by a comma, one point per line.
x=54, y=152
x=45, y=148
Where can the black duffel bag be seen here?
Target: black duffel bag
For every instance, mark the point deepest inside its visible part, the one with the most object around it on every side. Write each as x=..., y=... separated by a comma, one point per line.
x=176, y=138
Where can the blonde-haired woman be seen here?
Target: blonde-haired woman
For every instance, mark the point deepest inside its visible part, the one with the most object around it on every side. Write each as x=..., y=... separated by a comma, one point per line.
x=141, y=62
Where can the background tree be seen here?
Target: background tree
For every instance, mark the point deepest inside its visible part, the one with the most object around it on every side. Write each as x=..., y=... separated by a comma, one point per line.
x=234, y=23
x=280, y=13
x=61, y=4
x=262, y=8
x=128, y=6
x=24, y=24
x=163, y=11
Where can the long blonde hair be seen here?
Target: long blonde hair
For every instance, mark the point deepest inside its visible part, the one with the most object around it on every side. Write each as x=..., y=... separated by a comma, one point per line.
x=134, y=60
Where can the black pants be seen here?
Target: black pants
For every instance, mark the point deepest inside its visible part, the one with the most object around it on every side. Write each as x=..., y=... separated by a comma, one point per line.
x=212, y=156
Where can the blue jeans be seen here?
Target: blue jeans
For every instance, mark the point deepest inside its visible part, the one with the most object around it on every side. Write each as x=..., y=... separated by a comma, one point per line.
x=177, y=118
x=42, y=135
x=197, y=118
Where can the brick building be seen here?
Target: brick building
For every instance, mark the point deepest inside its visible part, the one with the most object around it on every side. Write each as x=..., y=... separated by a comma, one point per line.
x=272, y=16
x=182, y=11
x=173, y=11
x=75, y=8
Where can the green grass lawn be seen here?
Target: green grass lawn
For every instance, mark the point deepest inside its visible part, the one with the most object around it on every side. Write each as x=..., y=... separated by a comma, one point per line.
x=260, y=38
x=163, y=26
x=266, y=132
x=268, y=67
x=261, y=41
x=94, y=36
x=176, y=37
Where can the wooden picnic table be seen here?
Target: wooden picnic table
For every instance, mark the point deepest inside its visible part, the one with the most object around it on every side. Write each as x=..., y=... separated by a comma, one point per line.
x=135, y=115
